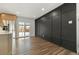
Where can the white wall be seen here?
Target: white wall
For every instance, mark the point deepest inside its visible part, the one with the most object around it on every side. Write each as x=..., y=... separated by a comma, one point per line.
x=27, y=20
x=77, y=27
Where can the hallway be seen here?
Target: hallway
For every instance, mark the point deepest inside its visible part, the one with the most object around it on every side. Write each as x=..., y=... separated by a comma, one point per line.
x=38, y=46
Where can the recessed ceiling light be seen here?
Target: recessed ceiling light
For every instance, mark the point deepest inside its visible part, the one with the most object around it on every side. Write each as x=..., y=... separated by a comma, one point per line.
x=43, y=9
x=17, y=13
x=34, y=16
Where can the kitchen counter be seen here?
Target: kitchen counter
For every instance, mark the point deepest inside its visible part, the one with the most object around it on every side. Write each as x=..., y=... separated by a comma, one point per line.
x=5, y=32
x=5, y=43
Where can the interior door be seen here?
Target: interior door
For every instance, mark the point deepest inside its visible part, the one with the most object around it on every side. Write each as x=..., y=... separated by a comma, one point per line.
x=37, y=28
x=42, y=27
x=69, y=26
x=48, y=27
x=56, y=25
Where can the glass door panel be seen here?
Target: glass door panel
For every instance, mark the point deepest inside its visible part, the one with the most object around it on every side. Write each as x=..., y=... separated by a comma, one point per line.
x=21, y=31
x=27, y=30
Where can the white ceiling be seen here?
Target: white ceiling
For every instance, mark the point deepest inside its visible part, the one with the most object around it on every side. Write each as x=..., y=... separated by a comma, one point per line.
x=30, y=10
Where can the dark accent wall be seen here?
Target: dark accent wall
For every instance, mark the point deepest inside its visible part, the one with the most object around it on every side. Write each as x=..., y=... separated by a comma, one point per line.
x=69, y=30
x=59, y=26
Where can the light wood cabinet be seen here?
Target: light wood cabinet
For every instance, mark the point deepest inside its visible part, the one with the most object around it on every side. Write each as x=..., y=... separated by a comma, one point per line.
x=6, y=17
x=1, y=23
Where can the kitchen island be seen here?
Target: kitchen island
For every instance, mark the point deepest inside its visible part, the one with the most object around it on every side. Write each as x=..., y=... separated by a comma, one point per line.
x=5, y=43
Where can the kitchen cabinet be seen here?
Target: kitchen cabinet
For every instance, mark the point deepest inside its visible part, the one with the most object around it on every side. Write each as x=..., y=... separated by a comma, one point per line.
x=5, y=18
x=5, y=43
x=1, y=22
x=47, y=27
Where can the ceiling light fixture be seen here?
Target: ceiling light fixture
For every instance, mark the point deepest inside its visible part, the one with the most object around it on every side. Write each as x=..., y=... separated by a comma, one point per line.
x=17, y=13
x=43, y=9
x=34, y=16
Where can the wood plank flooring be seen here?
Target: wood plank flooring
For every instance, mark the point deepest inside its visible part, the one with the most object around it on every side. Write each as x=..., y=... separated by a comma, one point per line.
x=38, y=46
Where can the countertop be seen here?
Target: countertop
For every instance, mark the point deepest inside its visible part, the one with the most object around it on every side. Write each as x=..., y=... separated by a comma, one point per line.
x=5, y=32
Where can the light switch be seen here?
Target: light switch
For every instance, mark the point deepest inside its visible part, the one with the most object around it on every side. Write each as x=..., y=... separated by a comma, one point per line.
x=70, y=22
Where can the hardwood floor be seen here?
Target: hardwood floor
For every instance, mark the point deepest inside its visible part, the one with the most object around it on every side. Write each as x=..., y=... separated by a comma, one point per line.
x=38, y=46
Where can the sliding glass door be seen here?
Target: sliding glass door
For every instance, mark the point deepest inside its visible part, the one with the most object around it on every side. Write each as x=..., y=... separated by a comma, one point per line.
x=23, y=30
